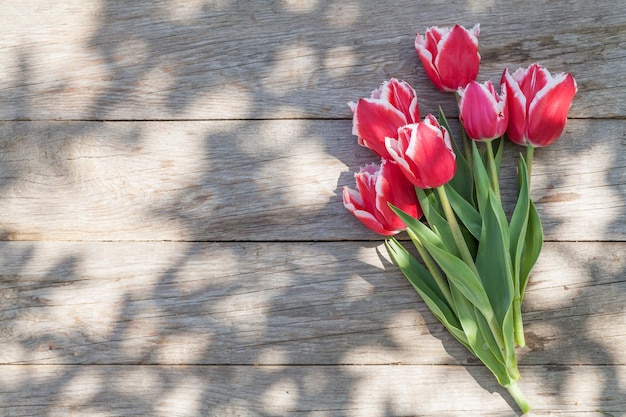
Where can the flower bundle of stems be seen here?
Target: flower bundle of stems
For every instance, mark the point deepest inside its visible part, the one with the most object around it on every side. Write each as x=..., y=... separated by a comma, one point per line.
x=476, y=260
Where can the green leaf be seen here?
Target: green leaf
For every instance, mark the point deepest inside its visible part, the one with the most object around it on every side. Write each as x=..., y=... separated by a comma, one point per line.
x=469, y=216
x=423, y=282
x=461, y=277
x=474, y=323
x=455, y=269
x=509, y=343
x=499, y=143
x=493, y=260
x=430, y=205
x=481, y=179
x=532, y=246
x=519, y=223
x=419, y=228
x=489, y=340
x=462, y=180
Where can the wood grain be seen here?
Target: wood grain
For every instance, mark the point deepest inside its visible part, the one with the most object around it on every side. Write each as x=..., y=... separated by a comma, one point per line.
x=172, y=237
x=320, y=391
x=259, y=180
x=280, y=303
x=147, y=60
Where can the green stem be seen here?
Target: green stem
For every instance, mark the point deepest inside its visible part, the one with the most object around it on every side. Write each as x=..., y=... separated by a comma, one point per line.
x=518, y=324
x=465, y=141
x=493, y=170
x=466, y=256
x=467, y=146
x=530, y=152
x=432, y=267
x=456, y=230
x=518, y=396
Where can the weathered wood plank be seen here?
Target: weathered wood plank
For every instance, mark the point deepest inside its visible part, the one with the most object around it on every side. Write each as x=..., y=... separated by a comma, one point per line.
x=263, y=180
x=246, y=60
x=280, y=303
x=320, y=391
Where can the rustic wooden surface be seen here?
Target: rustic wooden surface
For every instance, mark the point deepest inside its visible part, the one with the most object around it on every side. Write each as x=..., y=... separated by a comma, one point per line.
x=173, y=238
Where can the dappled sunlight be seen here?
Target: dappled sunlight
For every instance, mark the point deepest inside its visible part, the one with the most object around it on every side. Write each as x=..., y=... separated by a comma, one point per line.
x=175, y=242
x=292, y=62
x=567, y=192
x=180, y=349
x=54, y=61
x=300, y=6
x=478, y=6
x=187, y=12
x=184, y=399
x=280, y=397
x=83, y=387
x=340, y=60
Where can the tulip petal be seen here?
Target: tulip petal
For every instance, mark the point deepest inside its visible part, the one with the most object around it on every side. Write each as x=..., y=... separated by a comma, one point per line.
x=396, y=188
x=531, y=81
x=516, y=130
x=375, y=119
x=427, y=159
x=354, y=203
x=482, y=111
x=394, y=147
x=403, y=97
x=458, y=58
x=426, y=57
x=434, y=158
x=547, y=114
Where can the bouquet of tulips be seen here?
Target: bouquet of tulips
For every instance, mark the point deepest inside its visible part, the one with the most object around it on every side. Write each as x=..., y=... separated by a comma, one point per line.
x=476, y=259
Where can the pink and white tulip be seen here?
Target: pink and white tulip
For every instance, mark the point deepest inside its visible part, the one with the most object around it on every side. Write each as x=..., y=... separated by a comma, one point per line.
x=424, y=153
x=538, y=104
x=378, y=185
x=392, y=105
x=483, y=112
x=449, y=55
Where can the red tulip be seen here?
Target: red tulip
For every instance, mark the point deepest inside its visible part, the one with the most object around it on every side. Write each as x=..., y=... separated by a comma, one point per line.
x=483, y=112
x=378, y=185
x=424, y=153
x=392, y=105
x=449, y=56
x=538, y=104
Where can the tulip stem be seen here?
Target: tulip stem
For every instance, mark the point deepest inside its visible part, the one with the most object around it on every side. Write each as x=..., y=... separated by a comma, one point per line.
x=518, y=396
x=432, y=267
x=493, y=170
x=518, y=324
x=467, y=146
x=456, y=230
x=530, y=152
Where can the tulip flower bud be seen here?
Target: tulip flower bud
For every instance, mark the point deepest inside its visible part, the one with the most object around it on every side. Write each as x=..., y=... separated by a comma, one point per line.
x=378, y=185
x=392, y=105
x=538, y=104
x=483, y=113
x=449, y=56
x=424, y=153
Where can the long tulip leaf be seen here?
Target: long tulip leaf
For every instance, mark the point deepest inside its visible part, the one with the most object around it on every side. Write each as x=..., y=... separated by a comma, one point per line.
x=436, y=221
x=461, y=276
x=462, y=180
x=420, y=229
x=532, y=246
x=423, y=282
x=472, y=321
x=493, y=260
x=481, y=179
x=468, y=215
x=519, y=223
x=499, y=143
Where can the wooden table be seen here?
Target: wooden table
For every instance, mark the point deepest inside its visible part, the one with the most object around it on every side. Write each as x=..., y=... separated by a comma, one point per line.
x=173, y=237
